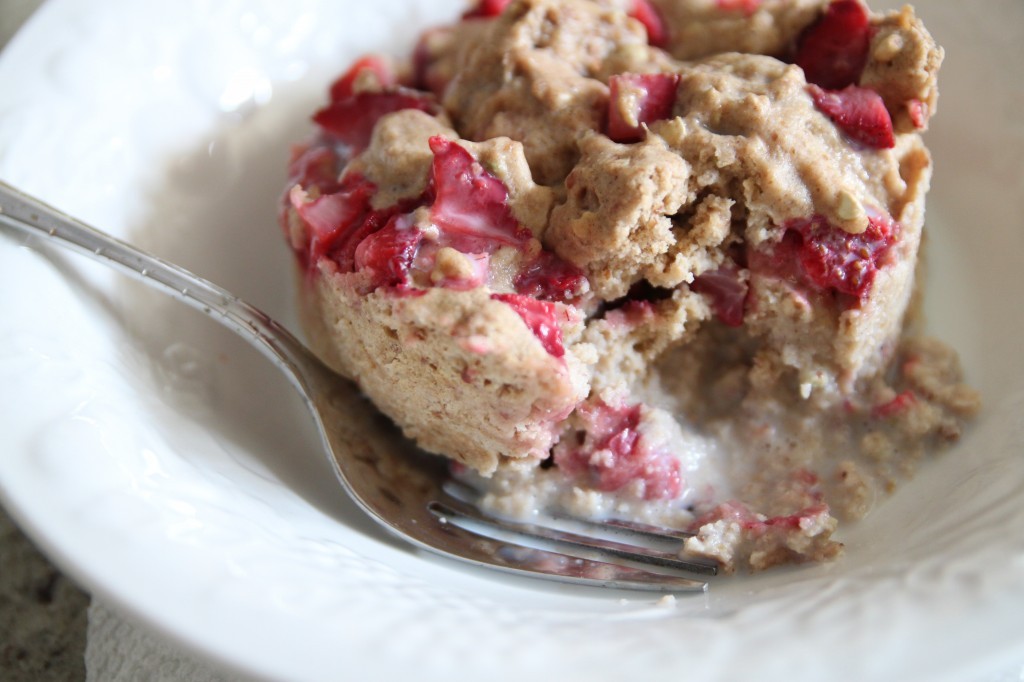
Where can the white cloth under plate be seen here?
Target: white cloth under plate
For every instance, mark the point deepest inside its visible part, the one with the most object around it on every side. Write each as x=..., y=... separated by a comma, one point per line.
x=118, y=650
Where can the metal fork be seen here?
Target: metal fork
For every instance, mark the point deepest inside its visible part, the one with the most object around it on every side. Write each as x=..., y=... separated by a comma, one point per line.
x=409, y=493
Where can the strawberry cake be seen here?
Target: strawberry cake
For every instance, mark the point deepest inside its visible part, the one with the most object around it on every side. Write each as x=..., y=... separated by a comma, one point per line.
x=645, y=259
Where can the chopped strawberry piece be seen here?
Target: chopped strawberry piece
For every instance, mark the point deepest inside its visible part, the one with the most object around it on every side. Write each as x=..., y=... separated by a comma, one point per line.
x=848, y=263
x=727, y=291
x=339, y=221
x=315, y=165
x=631, y=313
x=471, y=204
x=898, y=405
x=661, y=476
x=756, y=524
x=470, y=208
x=540, y=317
x=487, y=9
x=644, y=12
x=795, y=522
x=351, y=120
x=858, y=112
x=614, y=453
x=331, y=218
x=829, y=258
x=833, y=51
x=550, y=278
x=327, y=215
x=344, y=250
x=748, y=7
x=637, y=99
x=918, y=111
x=388, y=253
x=344, y=86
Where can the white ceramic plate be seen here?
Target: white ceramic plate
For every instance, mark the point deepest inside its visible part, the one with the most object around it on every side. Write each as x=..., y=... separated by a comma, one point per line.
x=169, y=469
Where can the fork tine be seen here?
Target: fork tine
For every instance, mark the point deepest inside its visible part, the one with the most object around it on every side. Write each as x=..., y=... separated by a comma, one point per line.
x=466, y=493
x=454, y=507
x=633, y=529
x=540, y=563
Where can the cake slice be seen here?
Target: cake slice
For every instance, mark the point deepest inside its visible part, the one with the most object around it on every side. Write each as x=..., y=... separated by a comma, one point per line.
x=642, y=259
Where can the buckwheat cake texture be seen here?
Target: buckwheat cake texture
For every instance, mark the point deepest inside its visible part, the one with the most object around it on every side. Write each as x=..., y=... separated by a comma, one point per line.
x=645, y=259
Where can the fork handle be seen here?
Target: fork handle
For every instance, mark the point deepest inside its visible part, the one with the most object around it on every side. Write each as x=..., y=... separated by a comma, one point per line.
x=34, y=217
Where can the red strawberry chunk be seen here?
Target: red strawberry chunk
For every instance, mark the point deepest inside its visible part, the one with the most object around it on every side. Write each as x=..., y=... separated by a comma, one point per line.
x=727, y=291
x=471, y=209
x=550, y=278
x=748, y=7
x=315, y=165
x=614, y=453
x=332, y=218
x=344, y=250
x=637, y=99
x=794, y=522
x=757, y=525
x=388, y=253
x=471, y=204
x=848, y=263
x=487, y=9
x=833, y=259
x=540, y=316
x=858, y=112
x=644, y=12
x=632, y=313
x=338, y=222
x=918, y=111
x=833, y=51
x=898, y=405
x=344, y=86
x=351, y=120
